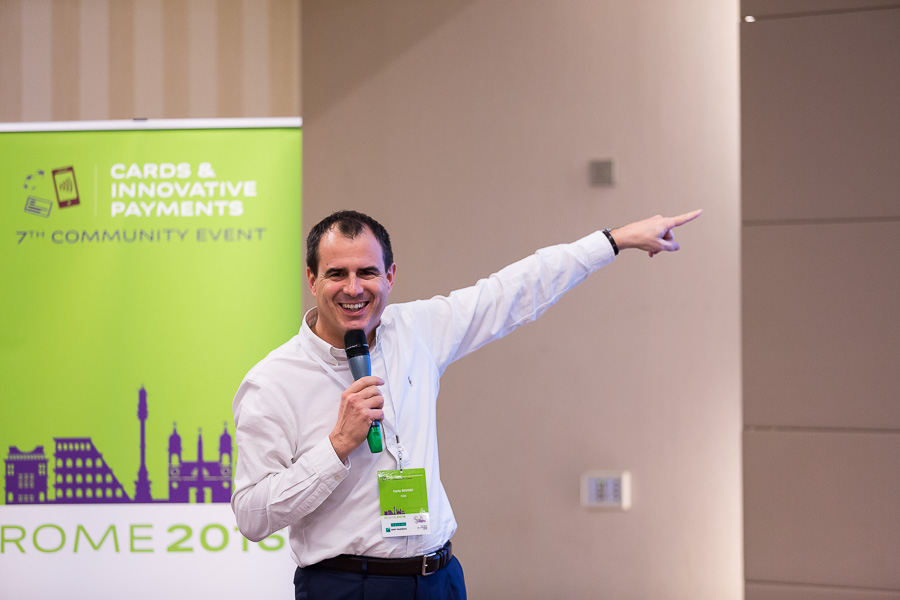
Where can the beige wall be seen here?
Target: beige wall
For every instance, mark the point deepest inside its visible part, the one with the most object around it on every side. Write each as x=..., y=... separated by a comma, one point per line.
x=467, y=127
x=66, y=60
x=821, y=143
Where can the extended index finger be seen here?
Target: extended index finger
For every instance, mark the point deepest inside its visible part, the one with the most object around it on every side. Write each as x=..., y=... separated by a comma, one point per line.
x=685, y=218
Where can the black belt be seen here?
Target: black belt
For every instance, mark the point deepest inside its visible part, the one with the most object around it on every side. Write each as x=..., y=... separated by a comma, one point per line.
x=416, y=565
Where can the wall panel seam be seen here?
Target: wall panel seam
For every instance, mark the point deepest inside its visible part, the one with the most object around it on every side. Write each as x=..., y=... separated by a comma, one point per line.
x=800, y=429
x=824, y=221
x=819, y=586
x=820, y=13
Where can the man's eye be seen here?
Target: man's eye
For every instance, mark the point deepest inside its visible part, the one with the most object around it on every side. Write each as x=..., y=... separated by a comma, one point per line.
x=369, y=274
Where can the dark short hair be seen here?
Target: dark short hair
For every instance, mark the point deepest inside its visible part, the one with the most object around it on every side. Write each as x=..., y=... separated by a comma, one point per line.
x=349, y=223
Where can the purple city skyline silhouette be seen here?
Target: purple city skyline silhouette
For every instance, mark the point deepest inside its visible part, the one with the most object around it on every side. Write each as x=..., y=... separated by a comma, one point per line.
x=83, y=476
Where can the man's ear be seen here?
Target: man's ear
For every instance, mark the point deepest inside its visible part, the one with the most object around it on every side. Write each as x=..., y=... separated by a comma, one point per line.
x=311, y=280
x=390, y=274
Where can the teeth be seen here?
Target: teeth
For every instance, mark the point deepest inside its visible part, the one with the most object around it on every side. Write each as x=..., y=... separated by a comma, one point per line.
x=357, y=306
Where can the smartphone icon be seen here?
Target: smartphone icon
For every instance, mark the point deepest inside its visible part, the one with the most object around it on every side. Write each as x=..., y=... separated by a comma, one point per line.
x=66, y=187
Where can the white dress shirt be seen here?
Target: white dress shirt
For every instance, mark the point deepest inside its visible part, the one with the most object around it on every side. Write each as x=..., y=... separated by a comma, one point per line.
x=287, y=473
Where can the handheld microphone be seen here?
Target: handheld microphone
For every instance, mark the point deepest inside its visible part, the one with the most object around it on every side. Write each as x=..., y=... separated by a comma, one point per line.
x=361, y=366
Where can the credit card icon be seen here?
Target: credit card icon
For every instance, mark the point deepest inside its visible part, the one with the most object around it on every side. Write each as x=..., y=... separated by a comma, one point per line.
x=38, y=206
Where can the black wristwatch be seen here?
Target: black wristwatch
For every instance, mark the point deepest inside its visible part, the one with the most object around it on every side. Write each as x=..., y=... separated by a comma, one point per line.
x=611, y=241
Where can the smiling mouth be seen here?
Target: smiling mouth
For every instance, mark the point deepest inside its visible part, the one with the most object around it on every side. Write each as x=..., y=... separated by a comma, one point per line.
x=353, y=307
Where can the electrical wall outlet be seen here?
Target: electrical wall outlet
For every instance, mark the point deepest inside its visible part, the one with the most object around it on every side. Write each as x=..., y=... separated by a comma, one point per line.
x=606, y=490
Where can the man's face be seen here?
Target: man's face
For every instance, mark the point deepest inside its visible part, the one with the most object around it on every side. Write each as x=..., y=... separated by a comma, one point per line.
x=351, y=287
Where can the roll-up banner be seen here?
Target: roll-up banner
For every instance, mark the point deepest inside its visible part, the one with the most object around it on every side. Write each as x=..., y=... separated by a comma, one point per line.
x=145, y=267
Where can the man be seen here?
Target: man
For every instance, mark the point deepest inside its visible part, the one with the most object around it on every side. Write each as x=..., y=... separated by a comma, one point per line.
x=302, y=422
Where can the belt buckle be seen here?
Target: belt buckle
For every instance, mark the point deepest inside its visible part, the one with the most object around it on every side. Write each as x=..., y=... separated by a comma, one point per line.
x=425, y=558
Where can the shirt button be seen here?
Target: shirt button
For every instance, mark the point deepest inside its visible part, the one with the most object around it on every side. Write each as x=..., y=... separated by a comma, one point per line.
x=337, y=477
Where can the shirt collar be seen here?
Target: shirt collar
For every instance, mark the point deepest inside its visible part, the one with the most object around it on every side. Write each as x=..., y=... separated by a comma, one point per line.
x=320, y=347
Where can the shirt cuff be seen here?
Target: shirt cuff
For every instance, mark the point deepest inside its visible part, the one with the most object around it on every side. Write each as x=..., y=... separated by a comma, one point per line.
x=598, y=249
x=324, y=460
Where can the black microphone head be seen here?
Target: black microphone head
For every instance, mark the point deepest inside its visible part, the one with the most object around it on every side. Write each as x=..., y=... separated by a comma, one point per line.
x=355, y=343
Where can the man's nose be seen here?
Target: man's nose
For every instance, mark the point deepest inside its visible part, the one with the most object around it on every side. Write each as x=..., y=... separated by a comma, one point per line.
x=353, y=287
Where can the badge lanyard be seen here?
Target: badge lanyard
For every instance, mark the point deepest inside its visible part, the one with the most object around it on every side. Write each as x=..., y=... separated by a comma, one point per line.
x=403, y=497
x=343, y=385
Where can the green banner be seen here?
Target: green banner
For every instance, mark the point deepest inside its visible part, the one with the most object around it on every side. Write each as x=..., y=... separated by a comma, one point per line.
x=144, y=272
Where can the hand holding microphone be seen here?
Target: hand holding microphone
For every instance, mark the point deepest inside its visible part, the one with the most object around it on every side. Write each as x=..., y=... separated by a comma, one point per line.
x=361, y=403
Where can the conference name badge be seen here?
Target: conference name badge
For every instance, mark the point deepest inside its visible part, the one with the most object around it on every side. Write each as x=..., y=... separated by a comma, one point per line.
x=404, y=503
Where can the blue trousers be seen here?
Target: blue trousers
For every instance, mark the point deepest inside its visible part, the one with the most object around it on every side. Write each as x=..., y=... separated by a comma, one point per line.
x=314, y=583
